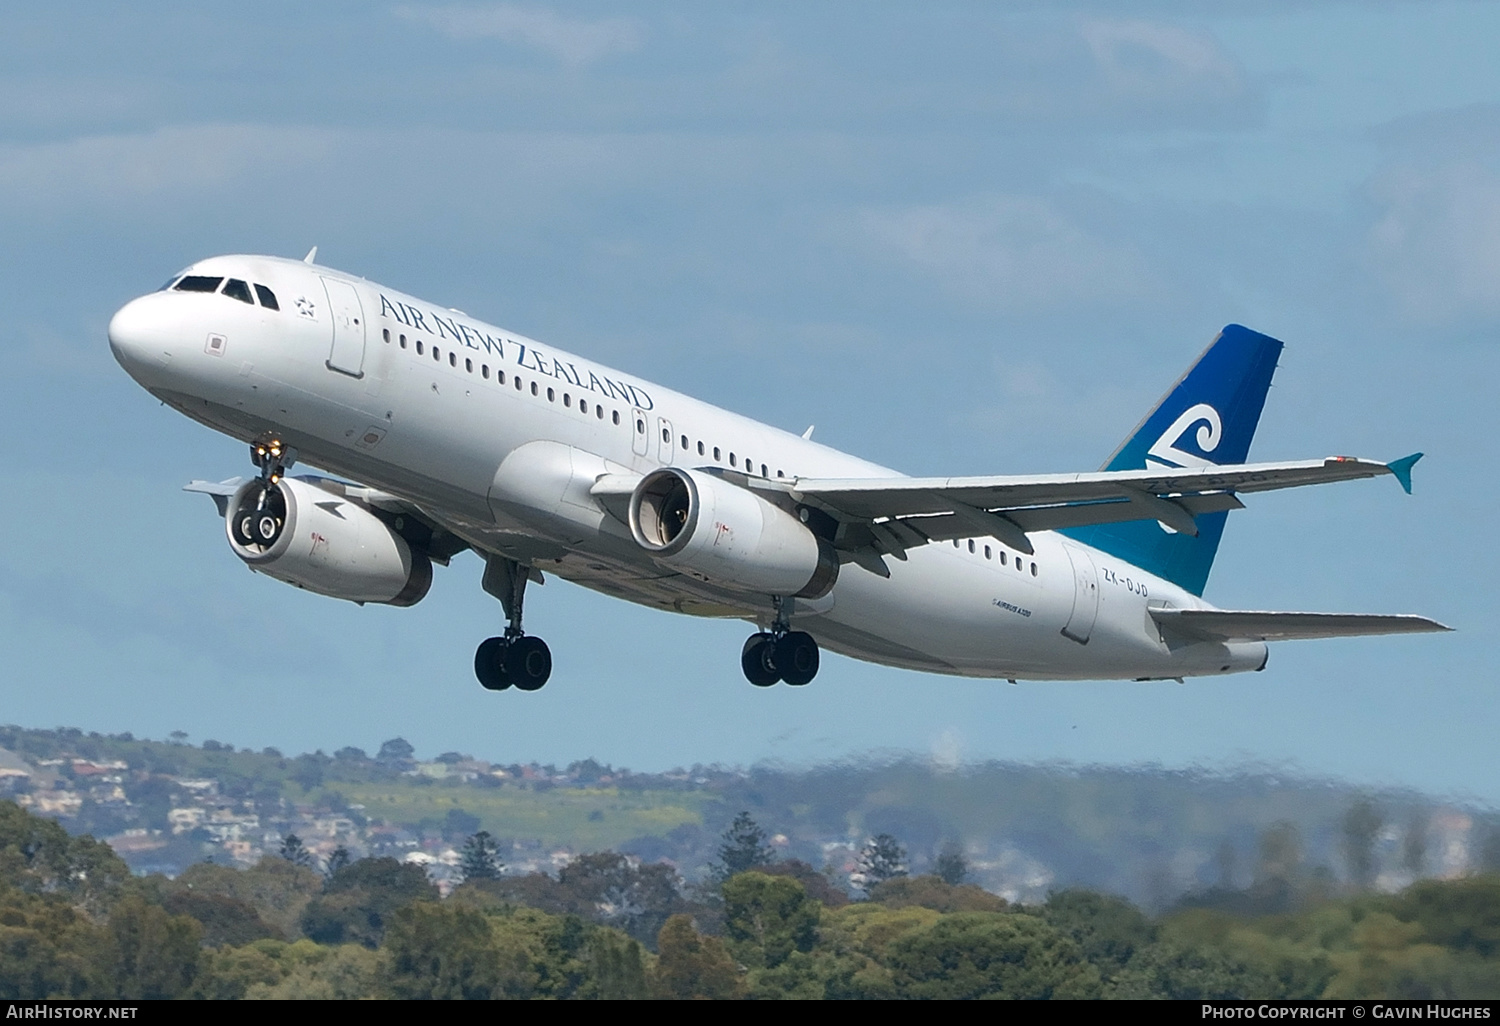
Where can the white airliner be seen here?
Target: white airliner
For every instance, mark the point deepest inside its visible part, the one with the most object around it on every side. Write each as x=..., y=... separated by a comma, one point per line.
x=447, y=433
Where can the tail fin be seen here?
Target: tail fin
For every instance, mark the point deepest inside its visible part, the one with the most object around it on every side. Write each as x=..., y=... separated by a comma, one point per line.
x=1207, y=418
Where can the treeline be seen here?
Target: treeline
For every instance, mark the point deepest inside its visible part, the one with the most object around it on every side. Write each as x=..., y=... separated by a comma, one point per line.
x=74, y=923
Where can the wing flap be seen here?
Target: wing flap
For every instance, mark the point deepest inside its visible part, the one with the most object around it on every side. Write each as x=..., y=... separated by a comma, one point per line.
x=1252, y=625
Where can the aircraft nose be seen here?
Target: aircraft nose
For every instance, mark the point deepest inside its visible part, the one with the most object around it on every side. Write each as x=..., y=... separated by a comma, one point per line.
x=135, y=334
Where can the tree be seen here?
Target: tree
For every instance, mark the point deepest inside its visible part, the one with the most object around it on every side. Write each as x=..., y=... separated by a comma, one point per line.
x=1361, y=825
x=882, y=859
x=441, y=952
x=294, y=851
x=358, y=901
x=744, y=847
x=395, y=754
x=951, y=865
x=689, y=965
x=1108, y=930
x=768, y=917
x=155, y=954
x=337, y=860
x=609, y=888
x=480, y=858
x=969, y=955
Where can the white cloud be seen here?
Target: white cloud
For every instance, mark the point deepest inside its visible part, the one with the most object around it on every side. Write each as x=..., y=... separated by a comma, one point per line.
x=1011, y=251
x=573, y=41
x=129, y=166
x=1436, y=247
x=1147, y=61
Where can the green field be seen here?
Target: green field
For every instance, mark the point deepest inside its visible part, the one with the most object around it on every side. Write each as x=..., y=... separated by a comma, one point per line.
x=584, y=819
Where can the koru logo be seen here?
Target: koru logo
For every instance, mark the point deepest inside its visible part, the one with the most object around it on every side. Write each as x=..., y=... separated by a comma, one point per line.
x=1210, y=431
x=306, y=308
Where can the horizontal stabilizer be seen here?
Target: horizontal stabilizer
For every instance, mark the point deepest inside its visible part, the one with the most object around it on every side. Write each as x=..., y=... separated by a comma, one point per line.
x=1251, y=625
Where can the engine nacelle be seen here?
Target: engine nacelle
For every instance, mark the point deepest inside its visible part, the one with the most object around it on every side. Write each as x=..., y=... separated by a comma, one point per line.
x=719, y=532
x=301, y=534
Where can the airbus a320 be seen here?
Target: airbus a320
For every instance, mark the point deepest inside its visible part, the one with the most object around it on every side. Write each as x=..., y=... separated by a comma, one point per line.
x=436, y=433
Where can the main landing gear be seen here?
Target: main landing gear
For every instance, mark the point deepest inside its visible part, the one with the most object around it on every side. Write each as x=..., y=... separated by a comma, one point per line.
x=781, y=654
x=517, y=659
x=260, y=522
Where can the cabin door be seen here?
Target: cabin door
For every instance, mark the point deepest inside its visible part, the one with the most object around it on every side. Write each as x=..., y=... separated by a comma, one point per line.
x=348, y=353
x=1085, y=595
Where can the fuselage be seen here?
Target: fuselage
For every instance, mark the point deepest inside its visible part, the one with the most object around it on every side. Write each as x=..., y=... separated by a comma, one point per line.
x=499, y=438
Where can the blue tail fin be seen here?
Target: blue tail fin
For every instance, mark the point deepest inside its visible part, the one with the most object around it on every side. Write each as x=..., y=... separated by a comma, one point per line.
x=1207, y=418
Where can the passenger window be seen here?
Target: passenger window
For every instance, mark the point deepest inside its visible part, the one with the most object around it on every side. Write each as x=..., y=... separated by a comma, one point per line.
x=437, y=355
x=484, y=371
x=500, y=377
x=684, y=442
x=1002, y=557
x=666, y=436
x=402, y=340
x=419, y=347
x=1033, y=569
x=551, y=395
x=198, y=283
x=700, y=448
x=763, y=471
x=971, y=545
x=987, y=553
x=385, y=333
x=640, y=426
x=452, y=358
x=533, y=388
x=469, y=365
x=716, y=454
x=583, y=406
x=615, y=416
x=268, y=299
x=780, y=474
x=599, y=412
x=236, y=289
x=568, y=400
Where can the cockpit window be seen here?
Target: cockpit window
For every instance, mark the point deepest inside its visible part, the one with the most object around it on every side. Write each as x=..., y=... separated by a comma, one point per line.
x=198, y=283
x=170, y=282
x=267, y=297
x=236, y=289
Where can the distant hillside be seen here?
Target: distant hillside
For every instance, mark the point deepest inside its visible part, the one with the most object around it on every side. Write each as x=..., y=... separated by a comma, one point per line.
x=1148, y=834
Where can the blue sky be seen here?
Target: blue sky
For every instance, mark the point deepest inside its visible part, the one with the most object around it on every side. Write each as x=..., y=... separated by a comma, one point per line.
x=960, y=238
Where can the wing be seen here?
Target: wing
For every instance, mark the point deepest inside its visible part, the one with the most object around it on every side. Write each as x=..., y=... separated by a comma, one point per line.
x=890, y=515
x=1244, y=625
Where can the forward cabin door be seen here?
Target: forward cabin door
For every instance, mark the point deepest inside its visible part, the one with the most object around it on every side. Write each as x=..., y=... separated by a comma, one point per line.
x=348, y=353
x=1085, y=595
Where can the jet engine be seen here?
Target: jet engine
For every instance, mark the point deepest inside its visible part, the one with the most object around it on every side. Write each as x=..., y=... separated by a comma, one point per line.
x=296, y=532
x=718, y=532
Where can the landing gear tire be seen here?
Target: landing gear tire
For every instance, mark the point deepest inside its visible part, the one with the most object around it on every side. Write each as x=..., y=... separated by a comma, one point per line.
x=265, y=528
x=758, y=660
x=797, y=657
x=489, y=664
x=528, y=663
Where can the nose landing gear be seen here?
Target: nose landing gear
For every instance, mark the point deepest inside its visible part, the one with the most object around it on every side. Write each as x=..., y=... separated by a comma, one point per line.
x=517, y=659
x=781, y=654
x=258, y=522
